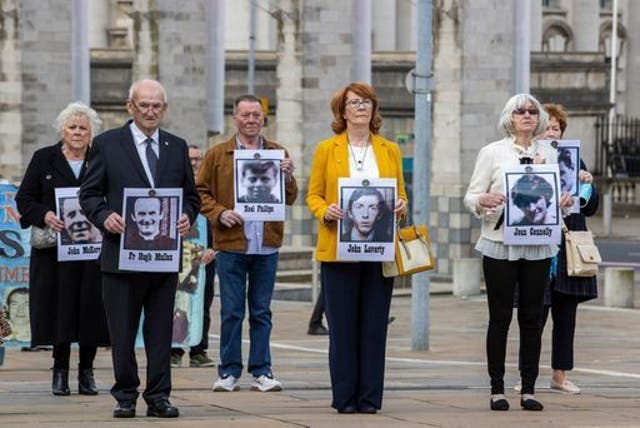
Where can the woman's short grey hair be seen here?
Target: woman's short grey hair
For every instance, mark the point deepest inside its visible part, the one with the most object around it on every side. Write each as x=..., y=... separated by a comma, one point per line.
x=78, y=109
x=505, y=123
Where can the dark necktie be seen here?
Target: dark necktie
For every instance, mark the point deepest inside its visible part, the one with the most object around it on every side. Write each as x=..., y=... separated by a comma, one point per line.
x=152, y=158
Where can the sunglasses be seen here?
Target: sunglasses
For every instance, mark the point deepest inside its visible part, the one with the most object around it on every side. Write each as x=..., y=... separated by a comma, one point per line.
x=522, y=111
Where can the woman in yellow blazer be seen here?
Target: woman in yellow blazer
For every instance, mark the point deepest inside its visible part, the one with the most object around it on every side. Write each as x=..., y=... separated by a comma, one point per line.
x=357, y=296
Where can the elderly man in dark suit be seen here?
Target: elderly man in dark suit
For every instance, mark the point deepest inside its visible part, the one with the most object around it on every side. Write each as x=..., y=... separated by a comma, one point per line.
x=138, y=155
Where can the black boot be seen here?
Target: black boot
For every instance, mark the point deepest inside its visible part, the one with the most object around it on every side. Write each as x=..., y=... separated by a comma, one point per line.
x=86, y=382
x=60, y=382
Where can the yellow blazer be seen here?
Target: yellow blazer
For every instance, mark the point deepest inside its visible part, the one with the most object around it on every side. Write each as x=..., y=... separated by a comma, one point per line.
x=330, y=162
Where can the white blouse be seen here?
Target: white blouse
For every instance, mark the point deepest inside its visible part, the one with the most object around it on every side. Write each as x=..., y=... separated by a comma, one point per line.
x=488, y=177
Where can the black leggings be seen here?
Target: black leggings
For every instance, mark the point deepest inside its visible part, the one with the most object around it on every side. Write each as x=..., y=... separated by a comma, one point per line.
x=501, y=277
x=563, y=312
x=62, y=354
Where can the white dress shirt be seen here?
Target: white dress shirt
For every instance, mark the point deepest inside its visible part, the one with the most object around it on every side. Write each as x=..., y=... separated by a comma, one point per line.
x=139, y=138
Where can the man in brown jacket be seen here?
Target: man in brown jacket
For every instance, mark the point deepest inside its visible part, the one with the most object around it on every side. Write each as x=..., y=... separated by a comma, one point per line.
x=245, y=249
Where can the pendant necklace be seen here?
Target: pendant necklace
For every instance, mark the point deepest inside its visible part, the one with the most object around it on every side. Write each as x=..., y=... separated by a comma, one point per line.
x=359, y=162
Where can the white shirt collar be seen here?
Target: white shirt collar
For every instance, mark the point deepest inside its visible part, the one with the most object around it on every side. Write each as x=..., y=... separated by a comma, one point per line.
x=139, y=137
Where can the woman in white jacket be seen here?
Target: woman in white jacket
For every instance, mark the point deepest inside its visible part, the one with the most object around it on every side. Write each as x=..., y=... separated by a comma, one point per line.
x=504, y=266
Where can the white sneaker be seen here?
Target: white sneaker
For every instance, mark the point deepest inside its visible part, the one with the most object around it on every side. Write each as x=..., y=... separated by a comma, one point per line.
x=567, y=387
x=265, y=383
x=226, y=384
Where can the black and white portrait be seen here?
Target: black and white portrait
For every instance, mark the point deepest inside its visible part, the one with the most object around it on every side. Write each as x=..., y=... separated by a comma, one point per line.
x=150, y=223
x=258, y=181
x=77, y=228
x=569, y=167
x=533, y=200
x=368, y=214
x=367, y=227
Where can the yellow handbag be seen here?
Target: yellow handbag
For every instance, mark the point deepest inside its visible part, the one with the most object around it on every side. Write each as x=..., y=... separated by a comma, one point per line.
x=413, y=252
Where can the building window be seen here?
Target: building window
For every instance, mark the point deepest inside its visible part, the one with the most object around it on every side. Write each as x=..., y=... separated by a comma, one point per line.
x=551, y=4
x=556, y=38
x=606, y=4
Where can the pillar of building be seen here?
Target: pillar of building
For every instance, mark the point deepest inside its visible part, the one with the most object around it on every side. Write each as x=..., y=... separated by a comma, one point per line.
x=384, y=25
x=585, y=20
x=464, y=124
x=632, y=66
x=10, y=92
x=536, y=26
x=180, y=52
x=326, y=58
x=289, y=129
x=46, y=75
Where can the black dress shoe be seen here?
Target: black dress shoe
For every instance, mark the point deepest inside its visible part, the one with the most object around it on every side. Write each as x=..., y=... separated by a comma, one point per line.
x=531, y=404
x=86, y=382
x=125, y=409
x=348, y=410
x=60, y=382
x=501, y=404
x=318, y=330
x=162, y=409
x=367, y=409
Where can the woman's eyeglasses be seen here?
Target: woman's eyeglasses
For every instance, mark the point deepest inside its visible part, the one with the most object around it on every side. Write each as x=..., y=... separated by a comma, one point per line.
x=355, y=104
x=522, y=111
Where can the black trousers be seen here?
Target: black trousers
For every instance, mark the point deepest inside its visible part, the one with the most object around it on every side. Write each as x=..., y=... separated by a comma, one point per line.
x=357, y=299
x=563, y=312
x=318, y=311
x=501, y=277
x=62, y=354
x=125, y=297
x=210, y=272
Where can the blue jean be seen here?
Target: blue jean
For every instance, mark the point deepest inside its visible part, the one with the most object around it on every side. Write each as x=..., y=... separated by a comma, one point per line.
x=233, y=270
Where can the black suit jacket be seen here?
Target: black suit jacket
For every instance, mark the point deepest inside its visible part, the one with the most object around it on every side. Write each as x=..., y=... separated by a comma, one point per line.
x=114, y=164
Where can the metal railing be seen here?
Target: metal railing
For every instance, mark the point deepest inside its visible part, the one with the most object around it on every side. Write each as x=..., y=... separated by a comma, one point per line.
x=618, y=147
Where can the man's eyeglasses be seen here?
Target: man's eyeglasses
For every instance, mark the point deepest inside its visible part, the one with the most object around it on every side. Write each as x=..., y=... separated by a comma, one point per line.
x=356, y=104
x=247, y=116
x=522, y=111
x=144, y=107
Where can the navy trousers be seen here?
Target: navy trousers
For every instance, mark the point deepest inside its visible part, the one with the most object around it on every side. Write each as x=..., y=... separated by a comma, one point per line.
x=357, y=299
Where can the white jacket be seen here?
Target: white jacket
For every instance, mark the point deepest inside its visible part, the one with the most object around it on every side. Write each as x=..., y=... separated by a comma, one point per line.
x=488, y=177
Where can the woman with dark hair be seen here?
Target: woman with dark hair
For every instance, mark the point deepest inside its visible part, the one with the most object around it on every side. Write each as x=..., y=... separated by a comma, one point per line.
x=357, y=296
x=505, y=266
x=65, y=299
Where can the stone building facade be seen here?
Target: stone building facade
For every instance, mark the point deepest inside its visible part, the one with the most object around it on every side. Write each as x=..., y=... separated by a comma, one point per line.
x=304, y=54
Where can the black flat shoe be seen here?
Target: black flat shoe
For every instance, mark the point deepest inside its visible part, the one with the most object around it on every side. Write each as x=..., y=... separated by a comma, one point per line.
x=348, y=410
x=60, y=382
x=531, y=404
x=86, y=382
x=370, y=410
x=319, y=330
x=125, y=409
x=162, y=409
x=501, y=404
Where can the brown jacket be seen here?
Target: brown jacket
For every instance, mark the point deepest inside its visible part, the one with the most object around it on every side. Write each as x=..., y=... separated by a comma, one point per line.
x=215, y=186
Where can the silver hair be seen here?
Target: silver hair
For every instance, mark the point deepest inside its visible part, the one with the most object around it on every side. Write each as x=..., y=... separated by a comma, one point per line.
x=134, y=87
x=78, y=108
x=505, y=123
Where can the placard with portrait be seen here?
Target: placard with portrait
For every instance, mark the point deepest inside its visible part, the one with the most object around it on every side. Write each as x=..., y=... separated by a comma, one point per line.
x=259, y=185
x=367, y=229
x=14, y=268
x=151, y=242
x=532, y=211
x=80, y=239
x=569, y=166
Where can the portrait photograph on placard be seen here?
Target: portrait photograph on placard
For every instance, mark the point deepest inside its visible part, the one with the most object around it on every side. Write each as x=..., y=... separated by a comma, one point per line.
x=79, y=240
x=259, y=184
x=151, y=240
x=366, y=232
x=532, y=210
